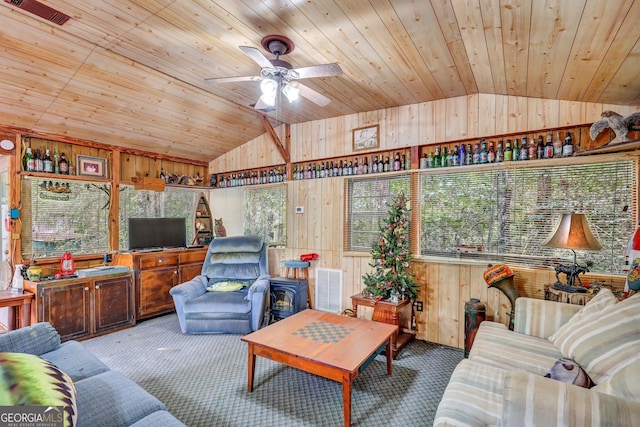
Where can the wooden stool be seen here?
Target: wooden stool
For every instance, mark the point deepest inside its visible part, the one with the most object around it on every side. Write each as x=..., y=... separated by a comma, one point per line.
x=301, y=267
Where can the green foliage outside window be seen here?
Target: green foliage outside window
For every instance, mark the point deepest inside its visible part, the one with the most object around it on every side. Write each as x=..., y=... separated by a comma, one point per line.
x=265, y=213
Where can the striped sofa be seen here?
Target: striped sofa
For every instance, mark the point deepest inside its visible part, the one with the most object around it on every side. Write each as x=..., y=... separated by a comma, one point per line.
x=503, y=382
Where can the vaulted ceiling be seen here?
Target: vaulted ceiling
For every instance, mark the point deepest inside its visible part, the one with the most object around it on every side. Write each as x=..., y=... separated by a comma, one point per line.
x=131, y=73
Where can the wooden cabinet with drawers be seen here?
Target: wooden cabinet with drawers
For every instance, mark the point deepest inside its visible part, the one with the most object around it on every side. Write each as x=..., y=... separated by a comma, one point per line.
x=84, y=307
x=155, y=273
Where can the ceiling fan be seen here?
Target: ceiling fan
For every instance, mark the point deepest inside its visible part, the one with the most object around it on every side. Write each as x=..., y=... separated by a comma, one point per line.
x=277, y=74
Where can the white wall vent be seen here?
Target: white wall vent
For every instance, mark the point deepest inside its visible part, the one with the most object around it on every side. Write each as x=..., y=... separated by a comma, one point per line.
x=328, y=290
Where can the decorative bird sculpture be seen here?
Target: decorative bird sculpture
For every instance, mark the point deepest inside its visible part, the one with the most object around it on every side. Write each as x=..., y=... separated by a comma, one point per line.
x=618, y=124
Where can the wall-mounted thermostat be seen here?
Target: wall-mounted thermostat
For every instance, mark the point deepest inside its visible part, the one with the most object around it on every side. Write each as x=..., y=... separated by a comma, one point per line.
x=299, y=209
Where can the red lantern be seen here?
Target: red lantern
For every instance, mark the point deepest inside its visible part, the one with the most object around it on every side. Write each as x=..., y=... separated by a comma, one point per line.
x=67, y=267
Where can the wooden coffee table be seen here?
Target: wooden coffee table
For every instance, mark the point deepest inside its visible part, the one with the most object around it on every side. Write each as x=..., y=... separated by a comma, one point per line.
x=331, y=346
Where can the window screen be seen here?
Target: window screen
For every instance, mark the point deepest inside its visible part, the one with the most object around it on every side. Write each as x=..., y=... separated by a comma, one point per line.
x=59, y=216
x=367, y=206
x=170, y=203
x=265, y=213
x=507, y=213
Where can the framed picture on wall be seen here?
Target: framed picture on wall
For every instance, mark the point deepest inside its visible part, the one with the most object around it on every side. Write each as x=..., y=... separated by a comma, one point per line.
x=91, y=166
x=366, y=137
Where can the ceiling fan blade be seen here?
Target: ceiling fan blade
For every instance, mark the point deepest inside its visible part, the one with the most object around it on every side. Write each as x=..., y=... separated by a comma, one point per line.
x=233, y=79
x=313, y=96
x=324, y=70
x=257, y=56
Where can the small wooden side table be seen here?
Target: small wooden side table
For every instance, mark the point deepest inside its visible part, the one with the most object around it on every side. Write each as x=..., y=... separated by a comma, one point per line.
x=387, y=312
x=578, y=298
x=12, y=299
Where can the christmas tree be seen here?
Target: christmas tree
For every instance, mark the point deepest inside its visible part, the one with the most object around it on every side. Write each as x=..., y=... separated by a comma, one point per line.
x=392, y=256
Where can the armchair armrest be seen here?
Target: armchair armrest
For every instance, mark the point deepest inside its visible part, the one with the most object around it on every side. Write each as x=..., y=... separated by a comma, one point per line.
x=533, y=400
x=541, y=318
x=191, y=289
x=257, y=294
x=36, y=339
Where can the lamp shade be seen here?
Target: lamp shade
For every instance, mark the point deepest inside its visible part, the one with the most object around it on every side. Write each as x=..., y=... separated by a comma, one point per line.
x=573, y=232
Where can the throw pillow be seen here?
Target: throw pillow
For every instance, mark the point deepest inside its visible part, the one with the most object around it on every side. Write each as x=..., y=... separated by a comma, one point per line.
x=29, y=380
x=610, y=342
x=226, y=286
x=568, y=371
x=625, y=383
x=600, y=302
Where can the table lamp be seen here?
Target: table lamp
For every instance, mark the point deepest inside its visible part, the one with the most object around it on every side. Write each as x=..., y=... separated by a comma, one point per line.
x=572, y=232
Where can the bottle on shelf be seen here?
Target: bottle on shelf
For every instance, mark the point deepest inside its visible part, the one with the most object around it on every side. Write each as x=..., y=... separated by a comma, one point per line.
x=38, y=161
x=374, y=164
x=463, y=156
x=532, y=149
x=365, y=167
x=47, y=163
x=430, y=160
x=516, y=150
x=508, y=151
x=450, y=157
x=500, y=153
x=483, y=152
x=476, y=154
x=29, y=161
x=491, y=154
x=56, y=160
x=455, y=161
x=567, y=148
x=436, y=158
x=63, y=165
x=540, y=148
x=469, y=159
x=548, y=148
x=396, y=162
x=406, y=161
x=557, y=146
x=423, y=160
x=524, y=151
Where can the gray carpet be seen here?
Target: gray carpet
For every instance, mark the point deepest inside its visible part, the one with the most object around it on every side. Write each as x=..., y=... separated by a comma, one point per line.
x=202, y=379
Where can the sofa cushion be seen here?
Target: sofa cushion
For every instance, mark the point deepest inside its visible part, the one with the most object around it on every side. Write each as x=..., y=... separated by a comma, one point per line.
x=504, y=347
x=110, y=399
x=228, y=285
x=600, y=302
x=473, y=396
x=625, y=383
x=540, y=318
x=35, y=339
x=532, y=400
x=75, y=361
x=606, y=341
x=29, y=380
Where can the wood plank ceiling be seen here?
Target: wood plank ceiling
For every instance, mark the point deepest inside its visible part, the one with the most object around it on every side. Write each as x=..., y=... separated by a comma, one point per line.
x=131, y=73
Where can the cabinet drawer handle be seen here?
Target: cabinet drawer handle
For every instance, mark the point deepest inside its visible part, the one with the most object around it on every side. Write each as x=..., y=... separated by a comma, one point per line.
x=86, y=288
x=97, y=287
x=159, y=261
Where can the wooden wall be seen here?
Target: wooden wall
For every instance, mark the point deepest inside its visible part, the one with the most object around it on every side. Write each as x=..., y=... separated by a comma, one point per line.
x=445, y=286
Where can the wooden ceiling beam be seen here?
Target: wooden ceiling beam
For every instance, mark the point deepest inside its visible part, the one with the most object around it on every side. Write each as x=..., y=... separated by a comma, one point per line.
x=274, y=138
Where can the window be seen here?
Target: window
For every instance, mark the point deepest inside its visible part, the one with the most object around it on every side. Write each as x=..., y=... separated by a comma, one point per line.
x=59, y=216
x=367, y=206
x=506, y=213
x=171, y=203
x=265, y=213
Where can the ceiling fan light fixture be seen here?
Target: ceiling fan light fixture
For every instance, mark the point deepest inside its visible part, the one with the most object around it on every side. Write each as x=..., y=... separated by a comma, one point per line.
x=291, y=91
x=268, y=87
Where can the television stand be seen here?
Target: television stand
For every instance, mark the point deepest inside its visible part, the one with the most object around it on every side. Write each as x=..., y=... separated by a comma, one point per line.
x=156, y=273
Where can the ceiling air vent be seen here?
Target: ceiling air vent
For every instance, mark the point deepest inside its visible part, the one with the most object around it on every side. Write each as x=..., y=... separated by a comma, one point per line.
x=41, y=10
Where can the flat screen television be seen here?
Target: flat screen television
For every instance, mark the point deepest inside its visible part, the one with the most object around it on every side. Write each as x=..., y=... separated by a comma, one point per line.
x=145, y=233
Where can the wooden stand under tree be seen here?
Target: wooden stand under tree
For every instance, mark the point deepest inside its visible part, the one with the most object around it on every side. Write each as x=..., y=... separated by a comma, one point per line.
x=390, y=313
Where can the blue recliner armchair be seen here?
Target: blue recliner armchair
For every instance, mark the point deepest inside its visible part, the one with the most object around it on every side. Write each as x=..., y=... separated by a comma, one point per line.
x=229, y=261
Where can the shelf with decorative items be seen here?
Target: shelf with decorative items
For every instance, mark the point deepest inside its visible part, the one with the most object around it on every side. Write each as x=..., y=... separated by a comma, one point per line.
x=544, y=144
x=376, y=162
x=148, y=173
x=268, y=175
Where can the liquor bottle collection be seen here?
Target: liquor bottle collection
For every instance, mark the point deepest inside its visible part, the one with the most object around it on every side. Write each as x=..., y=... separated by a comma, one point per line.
x=487, y=152
x=253, y=178
x=41, y=160
x=367, y=164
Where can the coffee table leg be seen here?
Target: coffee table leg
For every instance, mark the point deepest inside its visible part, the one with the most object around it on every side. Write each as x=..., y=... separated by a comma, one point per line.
x=346, y=399
x=251, y=366
x=389, y=356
